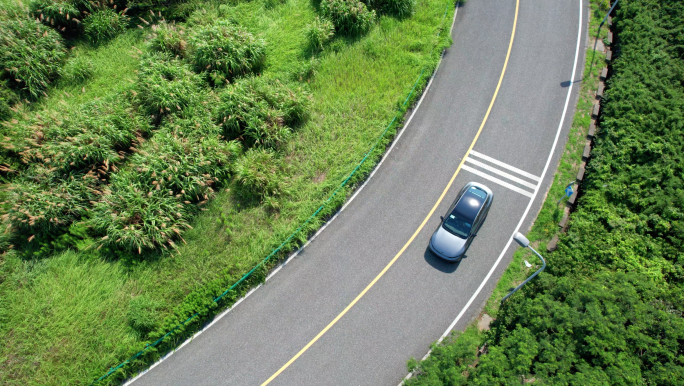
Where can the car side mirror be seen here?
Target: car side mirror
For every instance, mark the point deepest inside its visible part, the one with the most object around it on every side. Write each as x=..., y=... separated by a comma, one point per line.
x=441, y=218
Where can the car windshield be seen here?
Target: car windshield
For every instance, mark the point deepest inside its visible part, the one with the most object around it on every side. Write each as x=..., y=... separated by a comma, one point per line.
x=460, y=220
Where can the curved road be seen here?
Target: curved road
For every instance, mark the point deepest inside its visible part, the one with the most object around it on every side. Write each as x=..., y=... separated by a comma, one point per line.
x=419, y=296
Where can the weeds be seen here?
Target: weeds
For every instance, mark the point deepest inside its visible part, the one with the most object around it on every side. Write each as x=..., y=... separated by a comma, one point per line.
x=258, y=175
x=350, y=17
x=168, y=38
x=261, y=112
x=77, y=70
x=226, y=51
x=30, y=55
x=104, y=24
x=319, y=32
x=167, y=85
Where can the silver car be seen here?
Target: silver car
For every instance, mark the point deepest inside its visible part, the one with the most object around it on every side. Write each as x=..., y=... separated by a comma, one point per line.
x=463, y=220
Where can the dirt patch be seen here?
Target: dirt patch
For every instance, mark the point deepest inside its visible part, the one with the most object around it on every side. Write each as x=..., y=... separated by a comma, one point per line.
x=320, y=177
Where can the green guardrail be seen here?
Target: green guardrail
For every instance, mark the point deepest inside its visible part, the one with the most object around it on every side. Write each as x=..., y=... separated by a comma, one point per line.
x=289, y=238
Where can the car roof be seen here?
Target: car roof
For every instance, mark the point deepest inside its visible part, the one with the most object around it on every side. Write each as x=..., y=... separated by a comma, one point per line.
x=470, y=203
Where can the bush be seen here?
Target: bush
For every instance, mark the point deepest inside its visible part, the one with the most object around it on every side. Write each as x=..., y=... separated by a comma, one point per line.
x=168, y=38
x=150, y=203
x=257, y=174
x=226, y=51
x=142, y=315
x=319, y=32
x=350, y=17
x=398, y=8
x=167, y=85
x=67, y=158
x=262, y=112
x=30, y=55
x=77, y=70
x=60, y=14
x=103, y=25
x=7, y=100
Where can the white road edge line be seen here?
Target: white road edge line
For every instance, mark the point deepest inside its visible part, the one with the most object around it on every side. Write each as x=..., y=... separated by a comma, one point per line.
x=517, y=228
x=505, y=165
x=498, y=181
x=221, y=315
x=501, y=173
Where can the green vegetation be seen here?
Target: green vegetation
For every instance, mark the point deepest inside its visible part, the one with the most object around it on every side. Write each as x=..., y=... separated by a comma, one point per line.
x=609, y=308
x=350, y=17
x=154, y=183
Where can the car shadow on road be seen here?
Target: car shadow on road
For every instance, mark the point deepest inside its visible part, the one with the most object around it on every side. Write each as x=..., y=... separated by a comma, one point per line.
x=440, y=264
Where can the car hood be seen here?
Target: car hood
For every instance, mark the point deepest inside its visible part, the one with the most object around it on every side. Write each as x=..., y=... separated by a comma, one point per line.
x=448, y=244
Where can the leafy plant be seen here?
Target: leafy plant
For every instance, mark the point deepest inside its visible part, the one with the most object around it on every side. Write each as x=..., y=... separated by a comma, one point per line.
x=258, y=175
x=77, y=70
x=60, y=14
x=104, y=24
x=142, y=315
x=261, y=112
x=398, y=8
x=167, y=85
x=319, y=32
x=168, y=38
x=226, y=51
x=151, y=202
x=30, y=55
x=350, y=17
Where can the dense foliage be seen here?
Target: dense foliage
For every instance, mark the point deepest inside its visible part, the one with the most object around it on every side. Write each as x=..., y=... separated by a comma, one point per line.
x=610, y=308
x=104, y=24
x=350, y=17
x=399, y=8
x=30, y=55
x=226, y=51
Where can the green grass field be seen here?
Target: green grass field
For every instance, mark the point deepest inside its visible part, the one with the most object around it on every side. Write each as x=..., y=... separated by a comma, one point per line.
x=67, y=318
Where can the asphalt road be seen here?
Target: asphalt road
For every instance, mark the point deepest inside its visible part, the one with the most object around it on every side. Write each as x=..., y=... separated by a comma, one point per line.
x=419, y=296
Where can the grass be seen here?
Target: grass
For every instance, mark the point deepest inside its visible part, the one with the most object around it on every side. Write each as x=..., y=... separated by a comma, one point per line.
x=66, y=319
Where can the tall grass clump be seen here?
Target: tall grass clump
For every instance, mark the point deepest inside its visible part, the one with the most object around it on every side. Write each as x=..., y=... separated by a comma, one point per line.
x=104, y=24
x=257, y=175
x=66, y=159
x=77, y=70
x=61, y=15
x=151, y=202
x=167, y=85
x=262, y=112
x=168, y=38
x=398, y=8
x=319, y=32
x=7, y=100
x=30, y=55
x=225, y=51
x=350, y=17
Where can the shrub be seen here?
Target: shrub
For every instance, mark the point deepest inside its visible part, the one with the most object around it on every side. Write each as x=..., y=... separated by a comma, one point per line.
x=77, y=70
x=168, y=38
x=7, y=100
x=103, y=25
x=260, y=111
x=60, y=14
x=167, y=85
x=319, y=32
x=399, y=8
x=350, y=17
x=257, y=174
x=150, y=203
x=142, y=314
x=30, y=55
x=42, y=203
x=226, y=51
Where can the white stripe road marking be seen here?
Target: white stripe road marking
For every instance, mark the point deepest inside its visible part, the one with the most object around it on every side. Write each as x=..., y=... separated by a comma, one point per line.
x=501, y=173
x=504, y=165
x=498, y=181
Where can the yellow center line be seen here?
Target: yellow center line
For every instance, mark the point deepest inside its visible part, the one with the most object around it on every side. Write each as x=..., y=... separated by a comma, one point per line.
x=432, y=211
